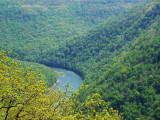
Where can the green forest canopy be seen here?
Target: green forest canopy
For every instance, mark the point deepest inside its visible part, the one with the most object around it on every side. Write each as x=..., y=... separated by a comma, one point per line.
x=25, y=96
x=119, y=58
x=32, y=28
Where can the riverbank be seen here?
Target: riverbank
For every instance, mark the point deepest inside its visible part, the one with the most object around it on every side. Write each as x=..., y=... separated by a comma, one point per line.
x=66, y=76
x=60, y=74
x=55, y=85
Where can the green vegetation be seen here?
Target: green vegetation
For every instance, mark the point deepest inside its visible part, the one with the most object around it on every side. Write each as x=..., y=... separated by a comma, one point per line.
x=23, y=96
x=117, y=60
x=33, y=28
x=50, y=75
x=114, y=45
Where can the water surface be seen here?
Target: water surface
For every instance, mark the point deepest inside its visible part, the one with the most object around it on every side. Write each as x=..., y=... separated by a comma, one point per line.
x=74, y=79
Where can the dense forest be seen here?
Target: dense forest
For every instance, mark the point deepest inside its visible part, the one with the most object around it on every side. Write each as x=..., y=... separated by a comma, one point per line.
x=32, y=28
x=49, y=74
x=114, y=45
x=120, y=60
x=24, y=95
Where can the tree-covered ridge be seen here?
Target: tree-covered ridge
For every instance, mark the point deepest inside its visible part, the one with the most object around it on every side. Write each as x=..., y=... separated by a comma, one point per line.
x=25, y=96
x=101, y=44
x=50, y=75
x=131, y=83
x=32, y=28
x=120, y=60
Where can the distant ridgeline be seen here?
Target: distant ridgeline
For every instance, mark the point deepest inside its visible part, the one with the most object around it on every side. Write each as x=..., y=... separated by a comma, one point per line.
x=33, y=28
x=119, y=58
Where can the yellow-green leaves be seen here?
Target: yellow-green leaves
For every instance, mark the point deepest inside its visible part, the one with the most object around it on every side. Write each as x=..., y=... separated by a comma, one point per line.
x=23, y=95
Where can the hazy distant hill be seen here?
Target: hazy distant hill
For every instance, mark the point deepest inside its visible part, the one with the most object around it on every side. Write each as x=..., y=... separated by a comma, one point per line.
x=31, y=28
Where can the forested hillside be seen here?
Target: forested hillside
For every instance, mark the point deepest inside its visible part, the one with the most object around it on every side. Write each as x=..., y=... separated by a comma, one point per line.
x=113, y=44
x=49, y=74
x=32, y=28
x=102, y=43
x=120, y=60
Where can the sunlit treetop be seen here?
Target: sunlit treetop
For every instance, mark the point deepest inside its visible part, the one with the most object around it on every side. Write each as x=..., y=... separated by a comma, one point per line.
x=25, y=96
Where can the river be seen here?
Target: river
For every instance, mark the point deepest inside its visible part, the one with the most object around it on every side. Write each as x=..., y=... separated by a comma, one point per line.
x=74, y=79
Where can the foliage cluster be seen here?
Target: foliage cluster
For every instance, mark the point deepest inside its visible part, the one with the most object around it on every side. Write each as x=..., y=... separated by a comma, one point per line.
x=25, y=96
x=50, y=75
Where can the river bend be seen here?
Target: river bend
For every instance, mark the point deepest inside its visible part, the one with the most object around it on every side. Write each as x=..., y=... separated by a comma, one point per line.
x=74, y=79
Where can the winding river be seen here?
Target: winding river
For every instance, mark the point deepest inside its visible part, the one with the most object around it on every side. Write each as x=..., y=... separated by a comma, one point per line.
x=74, y=79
